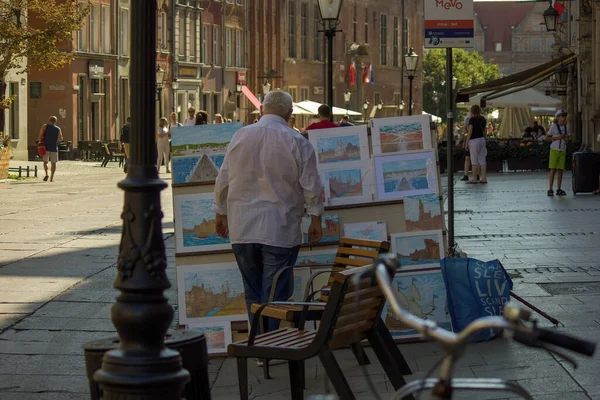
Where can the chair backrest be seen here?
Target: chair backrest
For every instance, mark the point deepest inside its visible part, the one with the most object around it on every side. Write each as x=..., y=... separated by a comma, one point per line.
x=353, y=308
x=354, y=253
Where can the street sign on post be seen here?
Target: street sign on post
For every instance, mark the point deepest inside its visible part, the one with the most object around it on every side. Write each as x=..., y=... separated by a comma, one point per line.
x=449, y=23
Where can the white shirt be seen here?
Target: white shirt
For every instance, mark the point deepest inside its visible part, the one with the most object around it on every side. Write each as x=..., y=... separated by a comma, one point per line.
x=268, y=175
x=559, y=145
x=190, y=121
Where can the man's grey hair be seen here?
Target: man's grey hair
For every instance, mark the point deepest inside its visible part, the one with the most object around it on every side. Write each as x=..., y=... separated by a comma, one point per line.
x=277, y=102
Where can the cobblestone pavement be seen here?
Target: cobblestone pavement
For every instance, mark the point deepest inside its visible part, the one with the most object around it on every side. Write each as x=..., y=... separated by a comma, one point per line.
x=58, y=247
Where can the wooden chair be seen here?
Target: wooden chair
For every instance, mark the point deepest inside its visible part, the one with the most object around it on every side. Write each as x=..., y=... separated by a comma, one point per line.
x=352, y=313
x=110, y=155
x=351, y=253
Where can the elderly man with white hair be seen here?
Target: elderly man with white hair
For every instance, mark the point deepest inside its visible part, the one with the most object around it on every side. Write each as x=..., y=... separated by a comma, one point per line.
x=268, y=177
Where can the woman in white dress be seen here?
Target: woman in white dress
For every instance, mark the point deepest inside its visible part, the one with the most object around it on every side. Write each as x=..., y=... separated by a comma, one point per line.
x=162, y=144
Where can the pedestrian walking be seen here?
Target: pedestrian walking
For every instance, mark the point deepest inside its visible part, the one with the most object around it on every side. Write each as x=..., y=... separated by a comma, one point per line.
x=476, y=145
x=202, y=118
x=173, y=123
x=162, y=144
x=558, y=135
x=268, y=177
x=324, y=120
x=463, y=141
x=191, y=119
x=292, y=123
x=124, y=142
x=50, y=135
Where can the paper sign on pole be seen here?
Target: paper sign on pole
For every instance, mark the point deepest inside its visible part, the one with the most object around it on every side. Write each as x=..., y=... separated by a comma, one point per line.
x=449, y=23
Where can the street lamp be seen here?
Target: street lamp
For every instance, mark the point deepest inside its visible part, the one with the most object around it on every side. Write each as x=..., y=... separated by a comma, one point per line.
x=380, y=105
x=411, y=59
x=551, y=17
x=562, y=75
x=160, y=76
x=454, y=82
x=365, y=108
x=347, y=97
x=238, y=88
x=266, y=87
x=401, y=107
x=330, y=12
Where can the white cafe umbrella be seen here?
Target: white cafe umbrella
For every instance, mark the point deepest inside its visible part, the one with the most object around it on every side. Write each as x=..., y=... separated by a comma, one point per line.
x=313, y=107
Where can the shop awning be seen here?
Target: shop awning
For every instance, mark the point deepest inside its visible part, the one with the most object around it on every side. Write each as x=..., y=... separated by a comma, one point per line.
x=527, y=97
x=525, y=79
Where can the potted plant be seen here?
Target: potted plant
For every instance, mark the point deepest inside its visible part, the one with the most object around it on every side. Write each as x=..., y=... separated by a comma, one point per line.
x=4, y=155
x=526, y=157
x=496, y=154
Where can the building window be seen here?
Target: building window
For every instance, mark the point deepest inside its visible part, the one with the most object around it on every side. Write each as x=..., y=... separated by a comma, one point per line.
x=383, y=40
x=395, y=42
x=304, y=31
x=498, y=46
x=366, y=26
x=292, y=29
x=405, y=36
x=193, y=37
x=354, y=24
x=215, y=45
x=526, y=45
x=82, y=36
x=35, y=90
x=95, y=28
x=106, y=40
x=163, y=31
x=124, y=31
x=238, y=48
x=304, y=93
x=376, y=98
x=13, y=114
x=204, y=49
x=228, y=47
x=293, y=91
x=397, y=99
x=181, y=31
x=317, y=36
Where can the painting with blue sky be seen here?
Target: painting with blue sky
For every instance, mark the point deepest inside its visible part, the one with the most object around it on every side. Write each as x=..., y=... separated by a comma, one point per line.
x=406, y=174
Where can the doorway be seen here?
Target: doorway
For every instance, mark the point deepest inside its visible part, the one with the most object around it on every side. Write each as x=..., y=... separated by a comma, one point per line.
x=95, y=120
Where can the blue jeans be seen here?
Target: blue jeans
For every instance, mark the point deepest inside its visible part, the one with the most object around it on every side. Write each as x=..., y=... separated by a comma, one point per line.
x=258, y=264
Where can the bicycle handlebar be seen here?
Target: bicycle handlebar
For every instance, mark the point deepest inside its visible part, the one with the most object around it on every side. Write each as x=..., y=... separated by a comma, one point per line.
x=385, y=268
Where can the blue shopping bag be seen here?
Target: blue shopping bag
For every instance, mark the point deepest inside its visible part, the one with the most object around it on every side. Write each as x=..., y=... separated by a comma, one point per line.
x=475, y=289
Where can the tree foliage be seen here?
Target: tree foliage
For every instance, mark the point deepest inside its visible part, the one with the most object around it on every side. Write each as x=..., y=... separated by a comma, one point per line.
x=468, y=67
x=36, y=34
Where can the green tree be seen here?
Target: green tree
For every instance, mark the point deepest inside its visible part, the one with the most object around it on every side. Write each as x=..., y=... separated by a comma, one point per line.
x=36, y=35
x=469, y=68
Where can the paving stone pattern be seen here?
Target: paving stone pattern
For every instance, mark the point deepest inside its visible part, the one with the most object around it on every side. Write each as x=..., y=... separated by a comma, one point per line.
x=58, y=248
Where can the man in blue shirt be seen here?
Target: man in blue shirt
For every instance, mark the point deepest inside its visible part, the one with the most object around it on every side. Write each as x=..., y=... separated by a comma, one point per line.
x=50, y=135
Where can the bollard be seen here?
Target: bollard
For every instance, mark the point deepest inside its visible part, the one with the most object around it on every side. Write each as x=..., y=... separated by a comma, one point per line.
x=19, y=171
x=35, y=171
x=28, y=171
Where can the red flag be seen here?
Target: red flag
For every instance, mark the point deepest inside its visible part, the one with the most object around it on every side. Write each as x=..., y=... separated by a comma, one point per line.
x=366, y=76
x=559, y=7
x=352, y=74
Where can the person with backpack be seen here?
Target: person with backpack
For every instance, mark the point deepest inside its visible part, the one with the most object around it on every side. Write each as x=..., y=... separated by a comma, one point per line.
x=558, y=135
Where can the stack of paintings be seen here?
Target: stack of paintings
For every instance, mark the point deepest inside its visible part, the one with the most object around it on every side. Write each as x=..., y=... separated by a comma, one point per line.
x=198, y=152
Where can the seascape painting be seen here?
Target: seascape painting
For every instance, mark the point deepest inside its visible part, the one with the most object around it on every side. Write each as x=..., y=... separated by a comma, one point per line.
x=348, y=184
x=401, y=134
x=406, y=174
x=195, y=224
x=316, y=257
x=214, y=291
x=423, y=294
x=371, y=230
x=218, y=335
x=340, y=145
x=330, y=226
x=198, y=151
x=416, y=248
x=422, y=213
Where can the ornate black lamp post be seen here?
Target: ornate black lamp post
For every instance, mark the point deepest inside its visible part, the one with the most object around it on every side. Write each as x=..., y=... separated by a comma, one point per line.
x=411, y=61
x=330, y=12
x=160, y=77
x=551, y=17
x=142, y=368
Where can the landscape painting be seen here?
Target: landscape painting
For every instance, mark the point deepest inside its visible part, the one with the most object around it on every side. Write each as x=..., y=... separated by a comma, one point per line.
x=371, y=230
x=195, y=224
x=416, y=248
x=406, y=174
x=198, y=151
x=301, y=278
x=218, y=335
x=316, y=257
x=339, y=145
x=400, y=134
x=330, y=226
x=348, y=185
x=214, y=291
x=422, y=213
x=423, y=294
